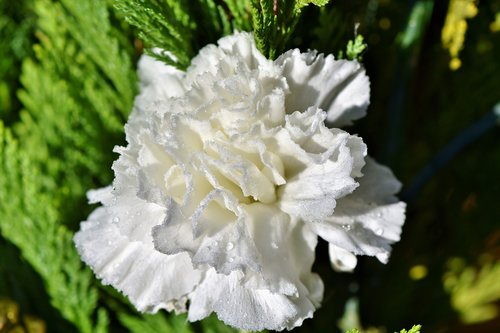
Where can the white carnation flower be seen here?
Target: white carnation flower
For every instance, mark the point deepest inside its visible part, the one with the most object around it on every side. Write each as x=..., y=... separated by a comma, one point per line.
x=229, y=176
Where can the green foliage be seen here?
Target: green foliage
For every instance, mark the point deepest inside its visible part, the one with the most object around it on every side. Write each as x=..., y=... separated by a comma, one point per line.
x=274, y=23
x=474, y=291
x=171, y=324
x=239, y=14
x=31, y=223
x=302, y=3
x=414, y=329
x=354, y=49
x=178, y=29
x=417, y=22
x=71, y=108
x=16, y=29
x=328, y=35
x=162, y=24
x=214, y=325
x=155, y=323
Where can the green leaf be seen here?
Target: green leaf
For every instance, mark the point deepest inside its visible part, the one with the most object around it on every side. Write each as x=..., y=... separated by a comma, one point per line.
x=354, y=330
x=17, y=24
x=76, y=95
x=212, y=324
x=156, y=323
x=414, y=329
x=302, y=3
x=474, y=291
x=355, y=48
x=274, y=22
x=29, y=219
x=419, y=18
x=166, y=25
x=240, y=13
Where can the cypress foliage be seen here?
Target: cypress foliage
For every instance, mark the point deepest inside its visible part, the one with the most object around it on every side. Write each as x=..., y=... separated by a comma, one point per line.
x=76, y=95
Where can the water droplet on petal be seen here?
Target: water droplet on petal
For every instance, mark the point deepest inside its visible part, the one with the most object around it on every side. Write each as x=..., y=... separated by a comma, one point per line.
x=116, y=219
x=379, y=232
x=347, y=227
x=229, y=246
x=379, y=214
x=231, y=259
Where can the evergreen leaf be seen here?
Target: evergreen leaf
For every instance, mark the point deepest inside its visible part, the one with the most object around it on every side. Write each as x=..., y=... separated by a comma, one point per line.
x=16, y=33
x=355, y=48
x=414, y=329
x=165, y=25
x=240, y=14
x=274, y=22
x=30, y=221
x=303, y=3
x=76, y=96
x=155, y=323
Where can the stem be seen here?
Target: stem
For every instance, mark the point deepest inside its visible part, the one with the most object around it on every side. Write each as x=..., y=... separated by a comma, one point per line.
x=465, y=138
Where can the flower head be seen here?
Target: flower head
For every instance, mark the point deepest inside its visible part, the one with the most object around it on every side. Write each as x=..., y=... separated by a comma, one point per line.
x=229, y=176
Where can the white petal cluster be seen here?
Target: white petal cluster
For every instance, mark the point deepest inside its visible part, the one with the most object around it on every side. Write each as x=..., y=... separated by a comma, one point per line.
x=229, y=176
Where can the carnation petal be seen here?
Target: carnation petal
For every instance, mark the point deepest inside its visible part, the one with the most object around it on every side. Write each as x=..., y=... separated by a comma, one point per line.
x=147, y=277
x=246, y=308
x=159, y=79
x=227, y=179
x=369, y=220
x=226, y=247
x=339, y=87
x=327, y=175
x=342, y=260
x=286, y=247
x=312, y=194
x=233, y=53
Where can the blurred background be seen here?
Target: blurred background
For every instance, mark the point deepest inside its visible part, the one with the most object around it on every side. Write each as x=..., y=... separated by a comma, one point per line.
x=67, y=83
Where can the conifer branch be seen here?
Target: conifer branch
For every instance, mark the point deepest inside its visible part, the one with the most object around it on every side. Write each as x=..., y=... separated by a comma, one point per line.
x=165, y=25
x=74, y=112
x=274, y=22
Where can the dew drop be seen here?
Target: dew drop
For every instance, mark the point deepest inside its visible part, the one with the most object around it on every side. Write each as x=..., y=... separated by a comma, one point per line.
x=116, y=219
x=379, y=232
x=346, y=227
x=229, y=246
x=231, y=259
